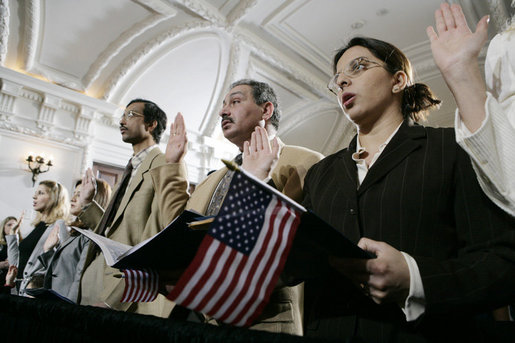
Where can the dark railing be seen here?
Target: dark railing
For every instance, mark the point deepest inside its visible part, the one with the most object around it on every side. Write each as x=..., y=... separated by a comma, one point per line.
x=35, y=320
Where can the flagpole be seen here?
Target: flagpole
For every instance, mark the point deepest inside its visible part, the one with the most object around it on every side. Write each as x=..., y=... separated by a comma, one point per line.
x=233, y=166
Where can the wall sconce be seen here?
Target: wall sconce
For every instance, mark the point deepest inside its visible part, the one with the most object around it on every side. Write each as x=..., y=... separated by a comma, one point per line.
x=36, y=164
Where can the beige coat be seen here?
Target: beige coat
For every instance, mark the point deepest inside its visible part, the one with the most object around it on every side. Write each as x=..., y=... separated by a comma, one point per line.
x=137, y=218
x=284, y=311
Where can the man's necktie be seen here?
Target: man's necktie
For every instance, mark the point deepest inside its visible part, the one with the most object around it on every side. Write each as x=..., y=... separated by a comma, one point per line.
x=110, y=212
x=221, y=190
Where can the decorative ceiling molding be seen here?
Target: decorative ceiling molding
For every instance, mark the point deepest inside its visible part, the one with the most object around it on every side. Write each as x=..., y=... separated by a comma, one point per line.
x=117, y=45
x=31, y=48
x=159, y=6
x=211, y=120
x=110, y=92
x=272, y=55
x=308, y=113
x=32, y=18
x=45, y=135
x=293, y=39
x=4, y=29
x=205, y=10
x=239, y=11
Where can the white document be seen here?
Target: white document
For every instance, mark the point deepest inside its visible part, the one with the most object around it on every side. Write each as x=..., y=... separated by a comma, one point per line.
x=113, y=251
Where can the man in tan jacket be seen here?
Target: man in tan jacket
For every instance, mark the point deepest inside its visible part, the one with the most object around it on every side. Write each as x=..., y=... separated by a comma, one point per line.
x=250, y=108
x=133, y=213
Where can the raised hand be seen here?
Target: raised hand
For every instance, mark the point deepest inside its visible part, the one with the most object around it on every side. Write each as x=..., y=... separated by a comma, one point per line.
x=259, y=157
x=178, y=141
x=455, y=51
x=52, y=239
x=385, y=279
x=453, y=44
x=16, y=228
x=89, y=188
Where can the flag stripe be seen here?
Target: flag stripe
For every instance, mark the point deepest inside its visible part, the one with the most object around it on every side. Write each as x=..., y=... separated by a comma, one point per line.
x=194, y=271
x=241, y=287
x=221, y=276
x=140, y=285
x=239, y=261
x=265, y=264
x=271, y=278
x=203, y=277
x=216, y=265
x=225, y=289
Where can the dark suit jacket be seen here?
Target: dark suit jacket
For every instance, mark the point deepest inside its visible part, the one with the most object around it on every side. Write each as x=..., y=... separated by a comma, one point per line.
x=422, y=197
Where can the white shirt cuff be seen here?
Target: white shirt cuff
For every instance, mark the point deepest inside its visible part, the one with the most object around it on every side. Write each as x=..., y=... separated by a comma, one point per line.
x=415, y=304
x=462, y=132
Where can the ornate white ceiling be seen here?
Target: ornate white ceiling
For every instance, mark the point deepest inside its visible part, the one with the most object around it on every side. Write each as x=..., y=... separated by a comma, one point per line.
x=183, y=54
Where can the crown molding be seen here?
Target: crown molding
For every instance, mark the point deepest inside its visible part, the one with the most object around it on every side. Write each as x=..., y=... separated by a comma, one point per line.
x=264, y=50
x=117, y=78
x=4, y=29
x=205, y=10
x=159, y=6
x=30, y=83
x=211, y=120
x=32, y=18
x=114, y=48
x=239, y=11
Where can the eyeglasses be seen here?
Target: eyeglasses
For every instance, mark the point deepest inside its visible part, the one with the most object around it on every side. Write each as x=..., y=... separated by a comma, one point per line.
x=354, y=69
x=130, y=114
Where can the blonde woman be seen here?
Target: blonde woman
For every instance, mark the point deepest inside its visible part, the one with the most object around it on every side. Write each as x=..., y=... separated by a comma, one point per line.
x=65, y=252
x=50, y=201
x=7, y=225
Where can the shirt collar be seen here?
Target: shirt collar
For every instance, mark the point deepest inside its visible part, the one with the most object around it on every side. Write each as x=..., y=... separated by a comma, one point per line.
x=360, y=150
x=137, y=159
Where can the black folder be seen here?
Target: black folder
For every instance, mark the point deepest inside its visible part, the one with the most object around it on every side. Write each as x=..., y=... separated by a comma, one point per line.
x=173, y=248
x=314, y=242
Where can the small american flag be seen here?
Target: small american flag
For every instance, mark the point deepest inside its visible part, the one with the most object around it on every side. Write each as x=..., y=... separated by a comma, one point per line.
x=239, y=261
x=140, y=285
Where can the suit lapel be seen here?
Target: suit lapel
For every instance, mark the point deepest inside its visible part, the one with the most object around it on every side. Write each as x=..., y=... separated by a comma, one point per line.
x=138, y=178
x=402, y=144
x=348, y=166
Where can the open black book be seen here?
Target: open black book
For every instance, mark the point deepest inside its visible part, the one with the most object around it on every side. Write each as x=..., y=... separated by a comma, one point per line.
x=314, y=242
x=172, y=248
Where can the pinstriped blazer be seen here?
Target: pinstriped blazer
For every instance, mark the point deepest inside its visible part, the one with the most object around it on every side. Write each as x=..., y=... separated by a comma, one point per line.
x=422, y=197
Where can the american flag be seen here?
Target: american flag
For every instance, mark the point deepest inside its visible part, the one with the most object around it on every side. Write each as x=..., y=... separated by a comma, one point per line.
x=140, y=285
x=239, y=261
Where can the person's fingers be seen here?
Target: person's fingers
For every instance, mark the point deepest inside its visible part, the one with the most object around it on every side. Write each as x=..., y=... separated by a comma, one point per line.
x=448, y=16
x=275, y=146
x=431, y=34
x=253, y=143
x=439, y=22
x=459, y=17
x=482, y=27
x=180, y=126
x=246, y=148
x=259, y=139
x=264, y=139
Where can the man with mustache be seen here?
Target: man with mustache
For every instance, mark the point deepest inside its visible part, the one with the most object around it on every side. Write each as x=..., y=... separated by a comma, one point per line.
x=250, y=108
x=132, y=214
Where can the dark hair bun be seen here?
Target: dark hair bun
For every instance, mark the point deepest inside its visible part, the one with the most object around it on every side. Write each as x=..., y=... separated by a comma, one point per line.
x=417, y=100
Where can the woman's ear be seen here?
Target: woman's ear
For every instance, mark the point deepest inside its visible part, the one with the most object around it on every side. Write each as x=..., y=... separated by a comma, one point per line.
x=268, y=110
x=400, y=80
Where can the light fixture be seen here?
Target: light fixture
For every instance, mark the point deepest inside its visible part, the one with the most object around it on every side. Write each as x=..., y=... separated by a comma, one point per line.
x=36, y=164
